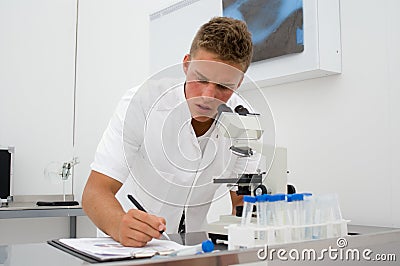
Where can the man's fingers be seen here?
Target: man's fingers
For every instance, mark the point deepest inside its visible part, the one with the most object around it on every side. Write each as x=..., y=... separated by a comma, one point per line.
x=151, y=220
x=138, y=228
x=133, y=238
x=162, y=220
x=135, y=233
x=146, y=229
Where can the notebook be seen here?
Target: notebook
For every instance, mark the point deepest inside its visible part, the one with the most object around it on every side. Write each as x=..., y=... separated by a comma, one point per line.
x=103, y=249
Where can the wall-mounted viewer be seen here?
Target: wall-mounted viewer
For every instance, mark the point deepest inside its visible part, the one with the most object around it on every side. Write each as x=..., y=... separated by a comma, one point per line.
x=276, y=26
x=172, y=28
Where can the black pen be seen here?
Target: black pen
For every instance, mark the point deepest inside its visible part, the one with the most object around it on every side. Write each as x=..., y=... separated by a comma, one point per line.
x=140, y=208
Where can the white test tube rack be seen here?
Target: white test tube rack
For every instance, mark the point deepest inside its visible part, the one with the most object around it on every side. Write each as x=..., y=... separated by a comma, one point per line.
x=306, y=218
x=247, y=236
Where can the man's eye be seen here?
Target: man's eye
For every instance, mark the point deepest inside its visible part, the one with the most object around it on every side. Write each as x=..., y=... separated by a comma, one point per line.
x=222, y=87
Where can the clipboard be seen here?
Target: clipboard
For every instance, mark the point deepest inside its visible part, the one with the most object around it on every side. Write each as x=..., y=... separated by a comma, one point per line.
x=95, y=250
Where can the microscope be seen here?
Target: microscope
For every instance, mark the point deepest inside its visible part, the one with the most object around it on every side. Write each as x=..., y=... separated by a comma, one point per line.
x=245, y=131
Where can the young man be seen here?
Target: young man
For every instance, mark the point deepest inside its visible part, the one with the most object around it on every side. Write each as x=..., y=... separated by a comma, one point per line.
x=162, y=145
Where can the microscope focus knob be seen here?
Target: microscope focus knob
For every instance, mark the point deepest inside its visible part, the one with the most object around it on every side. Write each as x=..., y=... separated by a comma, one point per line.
x=260, y=190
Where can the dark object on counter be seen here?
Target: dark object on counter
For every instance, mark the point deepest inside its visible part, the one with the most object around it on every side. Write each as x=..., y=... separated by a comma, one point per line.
x=57, y=203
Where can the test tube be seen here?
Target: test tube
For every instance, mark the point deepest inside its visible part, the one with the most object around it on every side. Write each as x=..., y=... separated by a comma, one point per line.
x=273, y=199
x=265, y=212
x=247, y=209
x=330, y=210
x=335, y=207
x=279, y=209
x=322, y=216
x=265, y=208
x=281, y=233
x=317, y=219
x=332, y=215
x=270, y=210
x=260, y=215
x=295, y=202
x=289, y=210
x=270, y=219
x=203, y=247
x=259, y=199
x=308, y=214
x=298, y=215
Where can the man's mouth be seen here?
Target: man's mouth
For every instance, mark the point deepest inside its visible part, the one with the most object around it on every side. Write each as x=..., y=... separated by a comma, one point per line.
x=204, y=107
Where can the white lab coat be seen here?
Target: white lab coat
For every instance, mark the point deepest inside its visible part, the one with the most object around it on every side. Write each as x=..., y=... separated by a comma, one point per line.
x=161, y=155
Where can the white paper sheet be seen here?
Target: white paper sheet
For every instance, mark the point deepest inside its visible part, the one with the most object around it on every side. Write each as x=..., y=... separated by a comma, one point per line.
x=105, y=248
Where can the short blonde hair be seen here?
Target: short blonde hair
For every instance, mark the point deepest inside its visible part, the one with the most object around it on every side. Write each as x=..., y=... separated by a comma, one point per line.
x=228, y=38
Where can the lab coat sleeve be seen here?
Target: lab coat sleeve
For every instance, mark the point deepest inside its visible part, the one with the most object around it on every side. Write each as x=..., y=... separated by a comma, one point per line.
x=110, y=158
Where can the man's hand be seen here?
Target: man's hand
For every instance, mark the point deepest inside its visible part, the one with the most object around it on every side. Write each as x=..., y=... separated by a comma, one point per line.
x=236, y=201
x=134, y=228
x=137, y=228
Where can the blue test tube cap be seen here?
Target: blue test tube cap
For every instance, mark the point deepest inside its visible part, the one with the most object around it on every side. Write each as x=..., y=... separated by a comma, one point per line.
x=289, y=197
x=297, y=197
x=281, y=196
x=207, y=246
x=273, y=198
x=260, y=198
x=249, y=199
x=266, y=197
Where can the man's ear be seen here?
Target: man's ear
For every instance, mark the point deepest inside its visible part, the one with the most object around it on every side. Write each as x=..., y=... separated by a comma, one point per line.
x=186, y=63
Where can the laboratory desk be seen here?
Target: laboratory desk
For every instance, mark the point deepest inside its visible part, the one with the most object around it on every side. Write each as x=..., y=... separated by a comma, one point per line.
x=25, y=207
x=377, y=239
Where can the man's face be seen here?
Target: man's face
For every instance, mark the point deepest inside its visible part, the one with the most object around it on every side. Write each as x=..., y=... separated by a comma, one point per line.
x=209, y=83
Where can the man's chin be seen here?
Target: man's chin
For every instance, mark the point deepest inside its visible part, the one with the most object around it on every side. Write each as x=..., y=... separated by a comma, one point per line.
x=202, y=119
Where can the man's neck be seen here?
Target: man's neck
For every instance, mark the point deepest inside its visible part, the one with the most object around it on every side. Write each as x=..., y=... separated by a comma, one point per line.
x=200, y=128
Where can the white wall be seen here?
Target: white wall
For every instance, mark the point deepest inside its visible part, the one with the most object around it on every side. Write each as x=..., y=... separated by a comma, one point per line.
x=112, y=58
x=342, y=131
x=37, y=51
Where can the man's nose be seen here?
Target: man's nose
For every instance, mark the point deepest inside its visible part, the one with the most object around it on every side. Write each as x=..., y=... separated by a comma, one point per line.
x=209, y=91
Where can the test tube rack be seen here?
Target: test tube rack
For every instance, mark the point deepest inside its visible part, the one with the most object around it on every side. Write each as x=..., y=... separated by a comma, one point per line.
x=251, y=235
